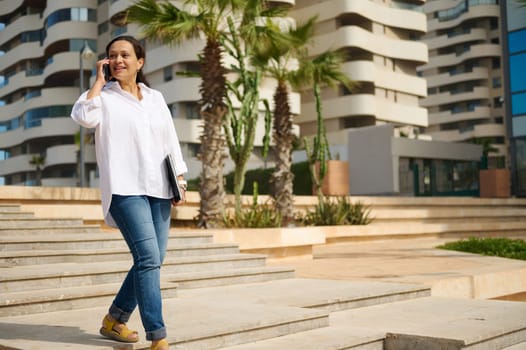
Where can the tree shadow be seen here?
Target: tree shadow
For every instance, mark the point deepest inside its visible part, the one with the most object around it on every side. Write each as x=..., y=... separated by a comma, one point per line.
x=13, y=335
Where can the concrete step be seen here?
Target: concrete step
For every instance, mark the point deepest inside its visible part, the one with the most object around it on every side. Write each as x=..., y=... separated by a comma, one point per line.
x=15, y=215
x=324, y=294
x=49, y=229
x=191, y=323
x=71, y=298
x=326, y=338
x=65, y=275
x=36, y=257
x=442, y=323
x=228, y=277
x=376, y=231
x=520, y=346
x=418, y=324
x=9, y=208
x=438, y=215
x=16, y=223
x=80, y=241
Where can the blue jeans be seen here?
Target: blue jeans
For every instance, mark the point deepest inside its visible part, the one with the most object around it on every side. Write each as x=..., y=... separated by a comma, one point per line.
x=144, y=222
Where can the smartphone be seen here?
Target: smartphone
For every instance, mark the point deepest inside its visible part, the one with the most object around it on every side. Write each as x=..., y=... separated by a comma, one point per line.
x=107, y=74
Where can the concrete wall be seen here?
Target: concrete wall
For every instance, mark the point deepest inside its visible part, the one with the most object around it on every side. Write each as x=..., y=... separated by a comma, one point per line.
x=374, y=153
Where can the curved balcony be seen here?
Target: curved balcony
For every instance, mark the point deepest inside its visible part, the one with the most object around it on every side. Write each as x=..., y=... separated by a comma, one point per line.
x=364, y=104
x=477, y=113
x=67, y=154
x=19, y=81
x=62, y=62
x=70, y=29
x=475, y=51
x=477, y=131
x=25, y=50
x=10, y=6
x=478, y=93
x=20, y=25
x=16, y=164
x=49, y=127
x=398, y=18
x=480, y=11
x=478, y=73
x=353, y=36
x=189, y=130
x=185, y=52
x=475, y=34
x=59, y=182
x=118, y=6
x=397, y=113
x=180, y=89
x=48, y=97
x=63, y=154
x=366, y=71
x=52, y=6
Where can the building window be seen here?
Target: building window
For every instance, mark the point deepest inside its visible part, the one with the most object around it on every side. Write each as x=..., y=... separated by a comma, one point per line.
x=168, y=74
x=518, y=104
x=517, y=41
x=517, y=72
x=497, y=82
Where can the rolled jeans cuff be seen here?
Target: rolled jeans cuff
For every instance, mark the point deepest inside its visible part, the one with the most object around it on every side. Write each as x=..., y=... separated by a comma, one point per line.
x=119, y=315
x=157, y=334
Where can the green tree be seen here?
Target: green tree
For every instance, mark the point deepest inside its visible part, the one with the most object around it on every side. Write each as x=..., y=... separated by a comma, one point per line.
x=278, y=60
x=320, y=71
x=242, y=43
x=166, y=22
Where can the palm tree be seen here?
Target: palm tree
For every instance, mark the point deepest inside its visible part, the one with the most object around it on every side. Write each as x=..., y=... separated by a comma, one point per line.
x=277, y=59
x=323, y=70
x=38, y=162
x=169, y=24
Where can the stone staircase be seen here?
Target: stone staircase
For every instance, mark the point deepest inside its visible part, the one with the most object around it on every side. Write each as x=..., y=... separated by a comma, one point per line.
x=448, y=217
x=57, y=277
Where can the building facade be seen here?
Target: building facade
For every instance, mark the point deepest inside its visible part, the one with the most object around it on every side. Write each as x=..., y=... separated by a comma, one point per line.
x=464, y=74
x=514, y=61
x=40, y=64
x=380, y=40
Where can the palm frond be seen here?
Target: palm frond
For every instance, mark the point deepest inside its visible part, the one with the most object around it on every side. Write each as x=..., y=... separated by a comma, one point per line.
x=163, y=21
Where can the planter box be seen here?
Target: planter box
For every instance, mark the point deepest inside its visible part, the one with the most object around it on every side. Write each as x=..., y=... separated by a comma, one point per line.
x=336, y=181
x=494, y=183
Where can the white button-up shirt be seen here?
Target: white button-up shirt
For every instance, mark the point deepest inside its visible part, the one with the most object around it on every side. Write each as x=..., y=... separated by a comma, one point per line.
x=132, y=138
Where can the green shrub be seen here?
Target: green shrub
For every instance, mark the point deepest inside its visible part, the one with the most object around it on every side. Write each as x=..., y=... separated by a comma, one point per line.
x=502, y=247
x=255, y=216
x=302, y=184
x=336, y=211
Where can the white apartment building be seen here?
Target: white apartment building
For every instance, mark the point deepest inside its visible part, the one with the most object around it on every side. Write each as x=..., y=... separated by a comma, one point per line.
x=40, y=64
x=380, y=39
x=464, y=75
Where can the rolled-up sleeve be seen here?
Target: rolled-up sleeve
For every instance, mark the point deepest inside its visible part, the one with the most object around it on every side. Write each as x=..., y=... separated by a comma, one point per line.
x=86, y=112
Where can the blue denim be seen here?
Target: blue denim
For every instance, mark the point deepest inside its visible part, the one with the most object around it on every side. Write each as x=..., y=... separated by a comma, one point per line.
x=144, y=223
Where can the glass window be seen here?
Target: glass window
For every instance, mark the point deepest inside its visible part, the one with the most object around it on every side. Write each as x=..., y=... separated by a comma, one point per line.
x=518, y=104
x=517, y=72
x=517, y=41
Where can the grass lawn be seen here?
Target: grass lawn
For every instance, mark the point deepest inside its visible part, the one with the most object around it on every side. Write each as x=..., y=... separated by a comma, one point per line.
x=502, y=247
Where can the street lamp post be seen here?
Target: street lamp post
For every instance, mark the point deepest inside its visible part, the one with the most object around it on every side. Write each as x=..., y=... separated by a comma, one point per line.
x=85, y=54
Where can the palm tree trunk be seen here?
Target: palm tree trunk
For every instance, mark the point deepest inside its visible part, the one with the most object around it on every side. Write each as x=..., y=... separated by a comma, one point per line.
x=212, y=153
x=282, y=178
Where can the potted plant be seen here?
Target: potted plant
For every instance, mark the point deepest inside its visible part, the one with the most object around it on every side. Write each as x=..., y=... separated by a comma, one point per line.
x=493, y=182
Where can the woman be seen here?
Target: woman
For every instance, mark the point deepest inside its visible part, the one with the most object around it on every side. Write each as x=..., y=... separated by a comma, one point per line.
x=134, y=133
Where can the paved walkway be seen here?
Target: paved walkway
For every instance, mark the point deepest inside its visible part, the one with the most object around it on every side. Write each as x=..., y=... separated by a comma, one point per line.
x=449, y=273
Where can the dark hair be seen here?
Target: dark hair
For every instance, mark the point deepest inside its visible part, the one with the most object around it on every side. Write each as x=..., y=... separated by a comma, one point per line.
x=140, y=52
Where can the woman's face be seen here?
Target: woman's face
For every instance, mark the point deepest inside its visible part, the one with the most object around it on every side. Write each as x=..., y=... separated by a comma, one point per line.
x=124, y=64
